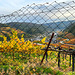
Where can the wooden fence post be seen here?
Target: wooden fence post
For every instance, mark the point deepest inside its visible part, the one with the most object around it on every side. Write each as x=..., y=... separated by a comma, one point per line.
x=70, y=60
x=46, y=56
x=73, y=61
x=70, y=57
x=47, y=48
x=59, y=58
x=63, y=56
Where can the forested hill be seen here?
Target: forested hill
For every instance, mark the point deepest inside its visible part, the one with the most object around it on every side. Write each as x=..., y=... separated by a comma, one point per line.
x=30, y=28
x=71, y=29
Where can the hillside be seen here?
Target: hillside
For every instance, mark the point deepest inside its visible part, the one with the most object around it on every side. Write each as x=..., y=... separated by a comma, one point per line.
x=34, y=29
x=5, y=30
x=30, y=28
x=71, y=29
x=69, y=32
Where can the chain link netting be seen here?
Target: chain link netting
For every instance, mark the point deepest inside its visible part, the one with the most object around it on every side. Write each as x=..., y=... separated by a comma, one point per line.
x=24, y=36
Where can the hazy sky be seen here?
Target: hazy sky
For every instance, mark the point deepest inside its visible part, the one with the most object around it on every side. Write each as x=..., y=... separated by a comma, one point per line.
x=9, y=6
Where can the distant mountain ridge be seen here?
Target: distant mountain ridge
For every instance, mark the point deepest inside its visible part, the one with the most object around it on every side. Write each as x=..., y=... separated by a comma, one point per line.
x=33, y=28
x=59, y=25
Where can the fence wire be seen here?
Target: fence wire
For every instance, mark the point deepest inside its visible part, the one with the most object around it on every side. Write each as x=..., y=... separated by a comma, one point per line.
x=25, y=33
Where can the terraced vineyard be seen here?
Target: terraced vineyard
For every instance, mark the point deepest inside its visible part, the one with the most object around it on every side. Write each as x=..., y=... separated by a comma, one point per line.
x=24, y=57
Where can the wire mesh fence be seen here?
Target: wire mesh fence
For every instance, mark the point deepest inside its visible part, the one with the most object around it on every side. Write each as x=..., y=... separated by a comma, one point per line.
x=24, y=37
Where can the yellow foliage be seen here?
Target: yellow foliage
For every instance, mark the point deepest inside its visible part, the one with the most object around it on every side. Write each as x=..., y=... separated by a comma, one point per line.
x=17, y=45
x=43, y=40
